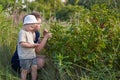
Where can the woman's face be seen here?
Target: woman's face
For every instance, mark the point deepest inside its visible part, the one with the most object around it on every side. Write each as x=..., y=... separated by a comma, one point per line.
x=38, y=25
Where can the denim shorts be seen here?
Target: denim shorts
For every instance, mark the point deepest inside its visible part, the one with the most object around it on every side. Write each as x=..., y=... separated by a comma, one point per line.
x=26, y=64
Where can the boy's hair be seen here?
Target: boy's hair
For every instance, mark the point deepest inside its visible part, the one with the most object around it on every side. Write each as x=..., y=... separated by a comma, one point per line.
x=36, y=14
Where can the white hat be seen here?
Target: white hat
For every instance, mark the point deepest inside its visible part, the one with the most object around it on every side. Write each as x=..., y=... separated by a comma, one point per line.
x=30, y=19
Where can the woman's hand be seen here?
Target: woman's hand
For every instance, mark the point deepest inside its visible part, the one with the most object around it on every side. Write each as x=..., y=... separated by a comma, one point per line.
x=48, y=35
x=45, y=32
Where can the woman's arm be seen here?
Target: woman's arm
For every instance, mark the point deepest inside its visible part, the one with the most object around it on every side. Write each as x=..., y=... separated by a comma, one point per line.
x=43, y=42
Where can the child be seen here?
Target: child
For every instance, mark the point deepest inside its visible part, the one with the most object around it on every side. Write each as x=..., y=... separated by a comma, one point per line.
x=26, y=47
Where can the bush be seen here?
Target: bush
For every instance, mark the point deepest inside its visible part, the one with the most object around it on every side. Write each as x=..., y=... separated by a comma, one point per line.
x=84, y=45
x=68, y=11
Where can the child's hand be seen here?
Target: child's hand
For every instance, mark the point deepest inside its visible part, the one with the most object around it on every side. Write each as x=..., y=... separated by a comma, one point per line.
x=36, y=45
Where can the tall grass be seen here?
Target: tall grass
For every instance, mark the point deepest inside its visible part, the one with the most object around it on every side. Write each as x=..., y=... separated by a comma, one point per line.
x=8, y=38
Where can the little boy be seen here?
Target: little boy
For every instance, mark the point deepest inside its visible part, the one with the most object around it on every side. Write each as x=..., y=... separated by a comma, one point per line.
x=26, y=47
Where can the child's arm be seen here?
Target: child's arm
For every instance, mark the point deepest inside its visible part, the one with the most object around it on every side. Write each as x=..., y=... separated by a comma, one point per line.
x=28, y=45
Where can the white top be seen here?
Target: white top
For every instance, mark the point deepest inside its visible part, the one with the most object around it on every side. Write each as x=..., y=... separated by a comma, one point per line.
x=26, y=53
x=30, y=19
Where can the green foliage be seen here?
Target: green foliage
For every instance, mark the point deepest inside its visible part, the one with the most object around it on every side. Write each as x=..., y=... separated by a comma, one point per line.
x=7, y=3
x=1, y=8
x=89, y=42
x=88, y=3
x=48, y=8
x=68, y=12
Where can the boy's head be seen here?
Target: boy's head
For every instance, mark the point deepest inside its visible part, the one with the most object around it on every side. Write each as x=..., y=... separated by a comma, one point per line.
x=39, y=19
x=30, y=22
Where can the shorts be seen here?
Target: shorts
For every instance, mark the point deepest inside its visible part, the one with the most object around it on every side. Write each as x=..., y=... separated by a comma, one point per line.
x=26, y=64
